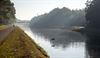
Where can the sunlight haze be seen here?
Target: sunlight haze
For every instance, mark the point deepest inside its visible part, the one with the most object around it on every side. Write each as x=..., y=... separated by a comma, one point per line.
x=27, y=9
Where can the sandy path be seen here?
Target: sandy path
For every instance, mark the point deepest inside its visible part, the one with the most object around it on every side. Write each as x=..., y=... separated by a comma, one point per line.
x=5, y=32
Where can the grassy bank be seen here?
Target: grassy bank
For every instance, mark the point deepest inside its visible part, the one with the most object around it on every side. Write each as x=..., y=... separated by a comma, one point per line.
x=3, y=27
x=19, y=45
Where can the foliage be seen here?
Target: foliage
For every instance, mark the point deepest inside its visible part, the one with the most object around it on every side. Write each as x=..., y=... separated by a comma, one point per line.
x=93, y=14
x=59, y=18
x=7, y=12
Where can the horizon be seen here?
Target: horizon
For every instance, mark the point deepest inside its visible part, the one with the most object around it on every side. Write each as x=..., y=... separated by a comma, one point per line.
x=26, y=10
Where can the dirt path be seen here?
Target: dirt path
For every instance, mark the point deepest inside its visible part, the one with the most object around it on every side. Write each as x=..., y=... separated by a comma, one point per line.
x=5, y=32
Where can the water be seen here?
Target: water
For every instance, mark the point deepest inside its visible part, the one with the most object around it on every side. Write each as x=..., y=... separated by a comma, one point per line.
x=58, y=43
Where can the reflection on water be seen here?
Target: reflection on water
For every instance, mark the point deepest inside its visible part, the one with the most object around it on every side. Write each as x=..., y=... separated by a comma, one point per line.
x=62, y=43
x=60, y=37
x=68, y=51
x=93, y=45
x=59, y=43
x=70, y=40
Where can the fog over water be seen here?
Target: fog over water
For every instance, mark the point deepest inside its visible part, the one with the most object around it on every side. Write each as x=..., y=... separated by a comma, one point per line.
x=60, y=43
x=65, y=43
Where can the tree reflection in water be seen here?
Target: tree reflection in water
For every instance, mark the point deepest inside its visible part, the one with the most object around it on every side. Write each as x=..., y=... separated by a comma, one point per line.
x=64, y=38
x=60, y=37
x=93, y=45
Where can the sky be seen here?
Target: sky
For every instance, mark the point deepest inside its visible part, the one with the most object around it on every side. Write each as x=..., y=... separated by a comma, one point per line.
x=27, y=9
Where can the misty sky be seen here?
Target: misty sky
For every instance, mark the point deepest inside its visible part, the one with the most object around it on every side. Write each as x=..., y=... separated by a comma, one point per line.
x=27, y=9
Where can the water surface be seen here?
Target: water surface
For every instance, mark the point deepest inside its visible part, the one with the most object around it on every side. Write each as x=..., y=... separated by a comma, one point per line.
x=58, y=43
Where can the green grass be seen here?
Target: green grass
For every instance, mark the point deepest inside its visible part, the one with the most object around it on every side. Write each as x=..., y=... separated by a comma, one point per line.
x=19, y=45
x=3, y=27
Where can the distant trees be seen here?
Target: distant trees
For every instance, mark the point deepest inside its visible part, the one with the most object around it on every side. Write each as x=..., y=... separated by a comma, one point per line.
x=7, y=12
x=59, y=18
